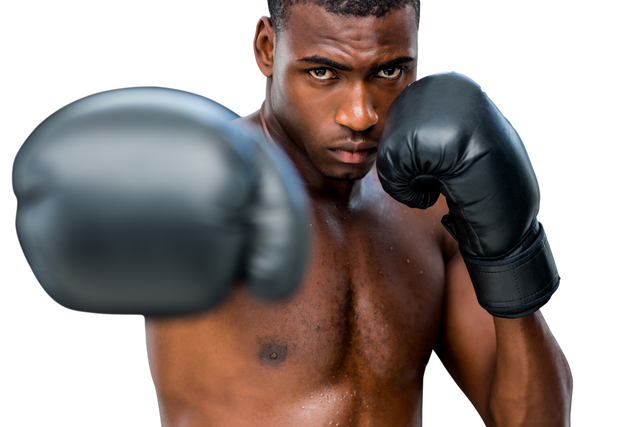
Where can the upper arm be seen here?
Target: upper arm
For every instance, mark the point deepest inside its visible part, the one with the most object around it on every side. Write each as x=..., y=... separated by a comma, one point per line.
x=466, y=342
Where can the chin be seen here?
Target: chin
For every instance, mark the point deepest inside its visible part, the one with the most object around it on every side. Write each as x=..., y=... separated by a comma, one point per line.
x=348, y=172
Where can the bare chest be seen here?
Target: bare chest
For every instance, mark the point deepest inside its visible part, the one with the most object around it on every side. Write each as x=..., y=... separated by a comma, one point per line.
x=368, y=309
x=349, y=345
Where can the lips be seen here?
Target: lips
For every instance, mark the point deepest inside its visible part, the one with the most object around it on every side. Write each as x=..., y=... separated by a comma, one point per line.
x=353, y=156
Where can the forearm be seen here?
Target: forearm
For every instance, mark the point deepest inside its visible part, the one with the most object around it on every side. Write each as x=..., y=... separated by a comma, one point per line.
x=532, y=384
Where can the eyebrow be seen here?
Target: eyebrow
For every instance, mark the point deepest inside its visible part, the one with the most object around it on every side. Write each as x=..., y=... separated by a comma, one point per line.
x=316, y=59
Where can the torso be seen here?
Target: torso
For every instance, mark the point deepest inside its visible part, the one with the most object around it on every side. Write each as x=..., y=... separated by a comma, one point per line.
x=349, y=348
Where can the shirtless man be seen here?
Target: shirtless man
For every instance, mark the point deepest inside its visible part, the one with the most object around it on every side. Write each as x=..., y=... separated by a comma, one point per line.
x=385, y=286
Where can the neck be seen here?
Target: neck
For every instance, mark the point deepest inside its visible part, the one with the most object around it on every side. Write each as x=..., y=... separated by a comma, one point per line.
x=341, y=193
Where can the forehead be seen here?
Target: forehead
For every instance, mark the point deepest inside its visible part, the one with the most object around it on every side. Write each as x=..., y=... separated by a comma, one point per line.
x=311, y=30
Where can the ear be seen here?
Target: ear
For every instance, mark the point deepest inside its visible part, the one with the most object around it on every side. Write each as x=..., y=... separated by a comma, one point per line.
x=263, y=46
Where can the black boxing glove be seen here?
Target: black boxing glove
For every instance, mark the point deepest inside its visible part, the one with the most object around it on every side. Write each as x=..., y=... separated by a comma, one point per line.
x=152, y=201
x=444, y=135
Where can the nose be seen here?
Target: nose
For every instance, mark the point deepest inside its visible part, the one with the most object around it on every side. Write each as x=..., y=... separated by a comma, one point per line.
x=357, y=110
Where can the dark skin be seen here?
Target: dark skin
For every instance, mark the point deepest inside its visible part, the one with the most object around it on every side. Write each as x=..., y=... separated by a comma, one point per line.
x=385, y=285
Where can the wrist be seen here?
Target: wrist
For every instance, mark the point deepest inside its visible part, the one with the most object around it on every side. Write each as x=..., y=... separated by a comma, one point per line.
x=518, y=285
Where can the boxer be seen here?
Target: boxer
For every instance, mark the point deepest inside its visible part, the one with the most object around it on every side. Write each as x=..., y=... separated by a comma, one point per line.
x=387, y=288
x=386, y=284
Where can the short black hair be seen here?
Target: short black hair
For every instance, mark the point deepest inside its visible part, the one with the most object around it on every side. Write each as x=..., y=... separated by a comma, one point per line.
x=378, y=8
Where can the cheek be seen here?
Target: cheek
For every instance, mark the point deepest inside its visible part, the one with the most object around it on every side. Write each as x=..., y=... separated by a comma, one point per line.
x=286, y=95
x=304, y=115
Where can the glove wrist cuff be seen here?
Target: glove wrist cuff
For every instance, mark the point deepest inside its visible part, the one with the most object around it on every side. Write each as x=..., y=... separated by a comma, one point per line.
x=518, y=285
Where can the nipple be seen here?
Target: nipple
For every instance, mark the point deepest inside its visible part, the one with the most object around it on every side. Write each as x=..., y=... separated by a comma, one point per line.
x=273, y=354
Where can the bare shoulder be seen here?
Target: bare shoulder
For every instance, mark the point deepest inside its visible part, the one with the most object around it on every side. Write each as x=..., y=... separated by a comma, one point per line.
x=252, y=119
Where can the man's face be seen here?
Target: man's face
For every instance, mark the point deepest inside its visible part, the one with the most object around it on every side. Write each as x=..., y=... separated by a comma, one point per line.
x=334, y=78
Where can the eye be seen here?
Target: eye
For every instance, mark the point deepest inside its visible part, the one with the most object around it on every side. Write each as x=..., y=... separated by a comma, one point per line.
x=322, y=74
x=390, y=73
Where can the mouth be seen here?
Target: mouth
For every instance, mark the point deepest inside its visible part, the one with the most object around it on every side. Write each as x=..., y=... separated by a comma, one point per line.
x=353, y=156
